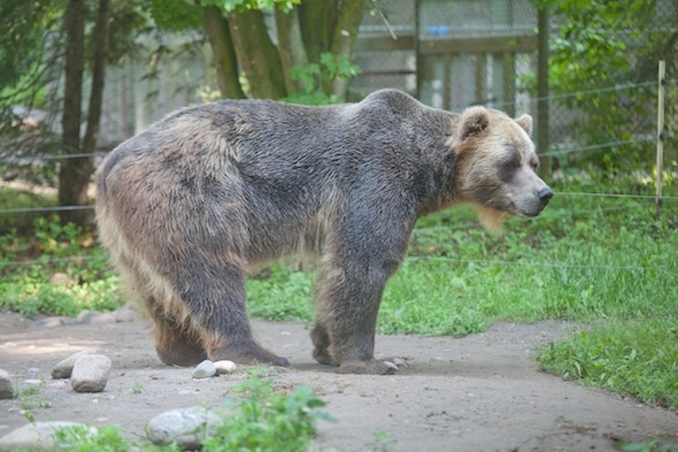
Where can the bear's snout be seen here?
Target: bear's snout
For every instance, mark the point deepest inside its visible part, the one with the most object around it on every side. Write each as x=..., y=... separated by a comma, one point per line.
x=545, y=195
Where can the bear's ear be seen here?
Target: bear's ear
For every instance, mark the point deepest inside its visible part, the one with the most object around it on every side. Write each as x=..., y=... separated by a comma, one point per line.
x=473, y=121
x=525, y=121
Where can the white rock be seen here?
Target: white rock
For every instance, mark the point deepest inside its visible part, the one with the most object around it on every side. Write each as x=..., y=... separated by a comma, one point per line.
x=225, y=367
x=90, y=373
x=64, y=368
x=6, y=385
x=205, y=369
x=186, y=426
x=38, y=436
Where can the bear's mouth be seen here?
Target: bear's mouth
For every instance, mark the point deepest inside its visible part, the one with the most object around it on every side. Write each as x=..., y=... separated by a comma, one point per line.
x=529, y=213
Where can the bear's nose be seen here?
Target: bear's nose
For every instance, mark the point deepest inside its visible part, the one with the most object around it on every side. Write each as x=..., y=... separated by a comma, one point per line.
x=545, y=194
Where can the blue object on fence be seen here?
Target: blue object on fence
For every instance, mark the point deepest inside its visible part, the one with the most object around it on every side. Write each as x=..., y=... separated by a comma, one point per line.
x=438, y=30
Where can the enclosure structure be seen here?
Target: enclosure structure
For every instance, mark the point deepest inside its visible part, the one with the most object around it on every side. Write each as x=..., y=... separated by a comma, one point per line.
x=452, y=54
x=449, y=54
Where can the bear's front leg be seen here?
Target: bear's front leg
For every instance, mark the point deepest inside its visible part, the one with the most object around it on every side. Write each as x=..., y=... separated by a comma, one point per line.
x=349, y=293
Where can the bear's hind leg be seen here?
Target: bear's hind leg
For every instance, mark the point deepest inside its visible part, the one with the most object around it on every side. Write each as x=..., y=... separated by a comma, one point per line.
x=214, y=293
x=178, y=345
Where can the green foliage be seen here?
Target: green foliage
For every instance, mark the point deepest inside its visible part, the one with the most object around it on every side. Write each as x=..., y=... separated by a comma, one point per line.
x=603, y=44
x=21, y=223
x=231, y=5
x=260, y=418
x=83, y=439
x=66, y=273
x=22, y=34
x=137, y=388
x=329, y=68
x=175, y=15
x=654, y=445
x=282, y=294
x=32, y=397
x=383, y=441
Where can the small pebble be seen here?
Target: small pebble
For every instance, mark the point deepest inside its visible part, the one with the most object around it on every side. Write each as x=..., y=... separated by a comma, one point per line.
x=225, y=367
x=205, y=369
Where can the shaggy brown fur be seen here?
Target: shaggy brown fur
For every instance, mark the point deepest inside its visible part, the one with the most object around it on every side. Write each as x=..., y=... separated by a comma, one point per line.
x=187, y=206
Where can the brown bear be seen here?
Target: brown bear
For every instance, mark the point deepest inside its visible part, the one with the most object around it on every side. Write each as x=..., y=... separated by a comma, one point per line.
x=189, y=205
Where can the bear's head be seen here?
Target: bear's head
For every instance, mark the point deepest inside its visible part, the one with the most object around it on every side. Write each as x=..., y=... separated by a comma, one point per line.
x=496, y=166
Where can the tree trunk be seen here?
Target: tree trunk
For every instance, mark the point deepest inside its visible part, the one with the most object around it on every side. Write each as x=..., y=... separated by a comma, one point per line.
x=257, y=55
x=290, y=45
x=225, y=60
x=74, y=23
x=343, y=40
x=85, y=166
x=317, y=18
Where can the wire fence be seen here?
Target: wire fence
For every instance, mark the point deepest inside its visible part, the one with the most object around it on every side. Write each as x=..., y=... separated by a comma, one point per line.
x=644, y=140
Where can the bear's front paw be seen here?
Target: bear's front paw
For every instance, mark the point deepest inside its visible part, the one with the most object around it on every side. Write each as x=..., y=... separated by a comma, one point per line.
x=373, y=366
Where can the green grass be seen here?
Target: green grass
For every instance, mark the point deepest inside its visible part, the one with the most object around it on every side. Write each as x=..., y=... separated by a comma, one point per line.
x=605, y=262
x=639, y=358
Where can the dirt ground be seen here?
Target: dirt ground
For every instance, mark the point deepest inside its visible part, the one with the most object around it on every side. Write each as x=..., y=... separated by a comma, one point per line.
x=479, y=393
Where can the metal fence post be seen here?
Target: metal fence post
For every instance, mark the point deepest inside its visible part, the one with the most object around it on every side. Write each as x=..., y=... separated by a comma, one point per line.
x=661, y=80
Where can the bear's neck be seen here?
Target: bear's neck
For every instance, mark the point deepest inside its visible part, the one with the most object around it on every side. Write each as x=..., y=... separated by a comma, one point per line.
x=440, y=167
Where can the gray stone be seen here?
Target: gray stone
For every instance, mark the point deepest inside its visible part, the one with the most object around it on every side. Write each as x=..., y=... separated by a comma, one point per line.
x=85, y=316
x=64, y=368
x=90, y=373
x=6, y=385
x=186, y=426
x=52, y=322
x=38, y=436
x=205, y=369
x=225, y=367
x=126, y=314
x=95, y=317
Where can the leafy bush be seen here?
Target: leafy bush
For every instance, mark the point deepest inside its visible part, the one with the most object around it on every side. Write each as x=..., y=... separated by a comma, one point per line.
x=313, y=76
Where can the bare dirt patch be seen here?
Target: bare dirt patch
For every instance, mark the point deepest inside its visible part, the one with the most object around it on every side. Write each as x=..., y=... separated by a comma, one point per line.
x=481, y=392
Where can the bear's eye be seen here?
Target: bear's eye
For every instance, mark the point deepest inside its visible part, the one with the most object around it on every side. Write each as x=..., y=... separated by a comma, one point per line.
x=534, y=163
x=513, y=162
